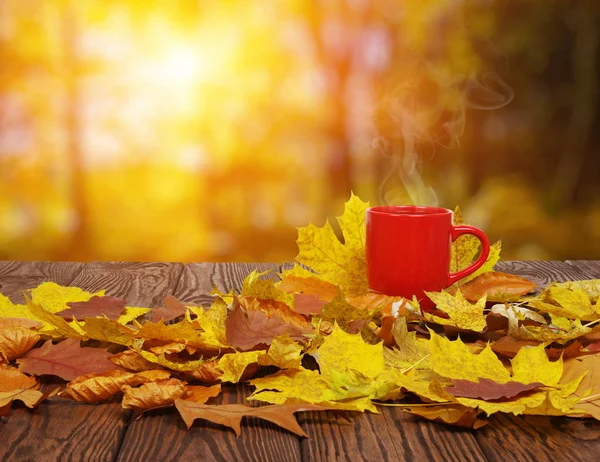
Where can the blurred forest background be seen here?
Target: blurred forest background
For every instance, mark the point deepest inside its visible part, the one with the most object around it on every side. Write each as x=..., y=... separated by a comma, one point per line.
x=208, y=130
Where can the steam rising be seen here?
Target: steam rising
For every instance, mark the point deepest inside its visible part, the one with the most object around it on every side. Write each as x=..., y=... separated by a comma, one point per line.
x=429, y=112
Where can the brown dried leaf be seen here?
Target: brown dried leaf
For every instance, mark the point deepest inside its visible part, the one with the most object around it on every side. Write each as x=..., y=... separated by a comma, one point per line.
x=15, y=385
x=174, y=308
x=201, y=395
x=111, y=307
x=488, y=389
x=454, y=414
x=231, y=415
x=133, y=361
x=95, y=388
x=254, y=322
x=168, y=349
x=509, y=347
x=153, y=394
x=15, y=342
x=67, y=360
x=498, y=287
x=19, y=322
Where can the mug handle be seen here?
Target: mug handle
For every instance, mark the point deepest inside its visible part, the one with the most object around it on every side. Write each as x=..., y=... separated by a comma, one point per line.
x=485, y=251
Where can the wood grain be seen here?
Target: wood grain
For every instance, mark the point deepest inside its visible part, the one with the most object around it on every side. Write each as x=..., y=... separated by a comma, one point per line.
x=538, y=438
x=391, y=435
x=589, y=267
x=542, y=273
x=16, y=277
x=65, y=430
x=163, y=432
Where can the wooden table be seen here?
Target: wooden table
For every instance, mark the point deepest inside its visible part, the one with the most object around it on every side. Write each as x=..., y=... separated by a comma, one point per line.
x=65, y=430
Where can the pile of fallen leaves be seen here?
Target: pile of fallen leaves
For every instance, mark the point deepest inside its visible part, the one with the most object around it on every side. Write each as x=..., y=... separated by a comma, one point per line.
x=488, y=346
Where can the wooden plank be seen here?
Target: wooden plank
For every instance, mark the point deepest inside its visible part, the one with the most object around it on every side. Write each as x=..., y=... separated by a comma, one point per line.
x=391, y=435
x=542, y=273
x=590, y=267
x=16, y=277
x=63, y=429
x=538, y=438
x=163, y=432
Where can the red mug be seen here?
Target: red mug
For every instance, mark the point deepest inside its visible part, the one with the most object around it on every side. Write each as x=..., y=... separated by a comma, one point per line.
x=408, y=250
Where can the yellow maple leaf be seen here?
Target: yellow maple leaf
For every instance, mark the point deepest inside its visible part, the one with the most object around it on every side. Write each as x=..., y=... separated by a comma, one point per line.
x=454, y=360
x=341, y=264
x=54, y=325
x=342, y=351
x=132, y=313
x=106, y=330
x=544, y=333
x=283, y=352
x=340, y=310
x=464, y=248
x=9, y=309
x=185, y=332
x=304, y=386
x=264, y=289
x=54, y=297
x=212, y=322
x=233, y=365
x=160, y=359
x=462, y=313
x=412, y=350
x=568, y=302
x=591, y=287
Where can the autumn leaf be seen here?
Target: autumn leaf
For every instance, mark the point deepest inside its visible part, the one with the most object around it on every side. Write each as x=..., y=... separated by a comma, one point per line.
x=461, y=313
x=496, y=287
x=233, y=365
x=350, y=317
x=465, y=248
x=212, y=322
x=131, y=313
x=264, y=289
x=105, y=330
x=54, y=298
x=111, y=307
x=341, y=351
x=489, y=390
x=451, y=414
x=186, y=332
x=254, y=322
x=231, y=415
x=588, y=390
x=15, y=385
x=284, y=353
x=20, y=322
x=132, y=361
x=152, y=395
x=96, y=388
x=54, y=325
x=340, y=264
x=15, y=342
x=306, y=386
x=411, y=349
x=590, y=287
x=509, y=347
x=173, y=309
x=67, y=360
x=310, y=292
x=9, y=310
x=175, y=365
x=568, y=303
x=544, y=333
x=200, y=394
